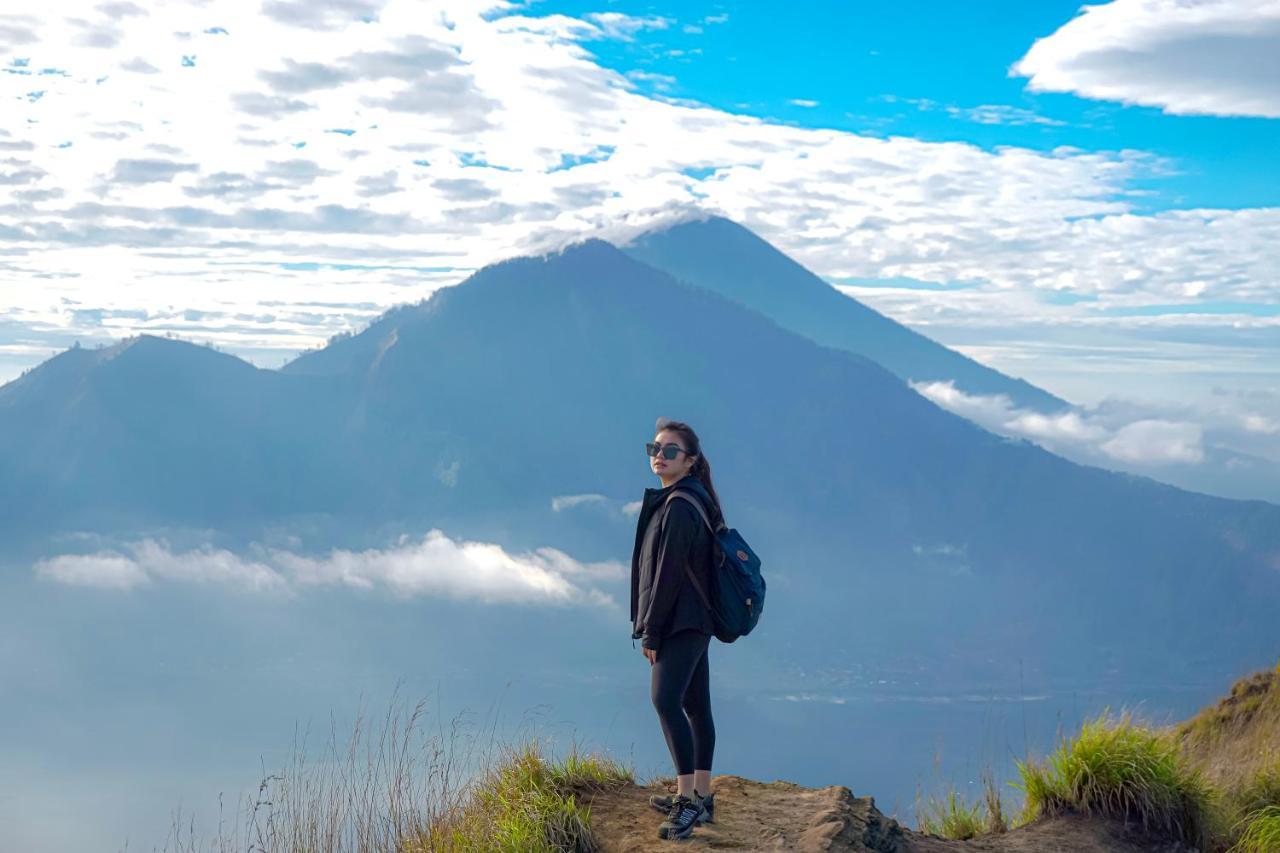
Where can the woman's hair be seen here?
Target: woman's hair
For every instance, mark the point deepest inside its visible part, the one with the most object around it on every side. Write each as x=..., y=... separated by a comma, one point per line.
x=701, y=468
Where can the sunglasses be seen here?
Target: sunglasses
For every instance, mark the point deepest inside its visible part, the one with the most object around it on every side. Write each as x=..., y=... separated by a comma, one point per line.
x=669, y=451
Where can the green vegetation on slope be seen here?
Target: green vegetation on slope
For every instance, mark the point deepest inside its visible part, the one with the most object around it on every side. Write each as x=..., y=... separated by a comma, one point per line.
x=1260, y=832
x=526, y=803
x=951, y=816
x=1119, y=769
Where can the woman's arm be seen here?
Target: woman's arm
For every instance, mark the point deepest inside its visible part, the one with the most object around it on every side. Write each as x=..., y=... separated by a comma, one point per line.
x=679, y=533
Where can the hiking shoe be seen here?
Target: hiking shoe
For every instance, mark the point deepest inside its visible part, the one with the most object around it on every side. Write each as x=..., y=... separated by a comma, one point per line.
x=681, y=818
x=663, y=804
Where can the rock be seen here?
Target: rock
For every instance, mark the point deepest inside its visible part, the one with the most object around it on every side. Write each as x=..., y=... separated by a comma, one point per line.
x=750, y=815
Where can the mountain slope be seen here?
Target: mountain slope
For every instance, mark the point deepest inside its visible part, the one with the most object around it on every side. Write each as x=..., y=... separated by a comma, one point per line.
x=154, y=426
x=531, y=375
x=888, y=525
x=721, y=255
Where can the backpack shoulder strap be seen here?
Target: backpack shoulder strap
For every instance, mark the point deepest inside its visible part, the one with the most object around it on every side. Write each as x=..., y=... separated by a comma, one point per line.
x=701, y=511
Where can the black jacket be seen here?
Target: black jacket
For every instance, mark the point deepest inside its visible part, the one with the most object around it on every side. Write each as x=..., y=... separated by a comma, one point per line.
x=662, y=599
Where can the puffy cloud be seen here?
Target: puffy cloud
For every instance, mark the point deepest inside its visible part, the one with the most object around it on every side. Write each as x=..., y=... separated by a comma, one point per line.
x=150, y=560
x=1156, y=441
x=436, y=566
x=107, y=571
x=1228, y=444
x=1212, y=57
x=1144, y=440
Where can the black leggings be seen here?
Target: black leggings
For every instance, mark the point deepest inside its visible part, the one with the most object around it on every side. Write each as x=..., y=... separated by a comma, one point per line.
x=681, y=694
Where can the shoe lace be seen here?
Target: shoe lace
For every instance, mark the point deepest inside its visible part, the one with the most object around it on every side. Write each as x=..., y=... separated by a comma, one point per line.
x=678, y=805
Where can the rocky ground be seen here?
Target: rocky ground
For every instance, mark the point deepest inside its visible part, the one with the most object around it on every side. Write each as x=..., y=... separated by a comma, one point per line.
x=781, y=815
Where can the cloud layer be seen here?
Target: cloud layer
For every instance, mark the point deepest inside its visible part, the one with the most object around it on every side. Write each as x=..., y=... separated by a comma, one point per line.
x=1201, y=445
x=435, y=566
x=263, y=177
x=1208, y=57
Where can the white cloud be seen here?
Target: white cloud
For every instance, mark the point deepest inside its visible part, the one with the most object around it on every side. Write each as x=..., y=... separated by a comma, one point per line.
x=1002, y=114
x=560, y=502
x=947, y=557
x=1144, y=440
x=1260, y=423
x=1226, y=444
x=104, y=570
x=619, y=26
x=150, y=560
x=981, y=114
x=1156, y=441
x=1211, y=57
x=436, y=566
x=802, y=102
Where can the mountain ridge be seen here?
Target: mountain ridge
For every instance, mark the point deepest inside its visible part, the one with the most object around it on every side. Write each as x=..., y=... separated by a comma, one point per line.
x=721, y=255
x=473, y=410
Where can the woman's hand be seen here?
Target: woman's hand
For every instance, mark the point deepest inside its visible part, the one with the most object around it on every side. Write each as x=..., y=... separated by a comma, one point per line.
x=651, y=654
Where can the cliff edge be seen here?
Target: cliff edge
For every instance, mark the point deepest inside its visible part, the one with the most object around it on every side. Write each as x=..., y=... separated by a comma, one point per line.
x=781, y=815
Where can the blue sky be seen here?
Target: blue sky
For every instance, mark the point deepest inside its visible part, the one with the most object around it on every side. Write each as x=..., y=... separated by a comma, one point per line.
x=895, y=69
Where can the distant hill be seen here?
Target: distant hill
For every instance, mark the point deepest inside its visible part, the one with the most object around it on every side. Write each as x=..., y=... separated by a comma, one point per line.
x=723, y=256
x=890, y=528
x=157, y=430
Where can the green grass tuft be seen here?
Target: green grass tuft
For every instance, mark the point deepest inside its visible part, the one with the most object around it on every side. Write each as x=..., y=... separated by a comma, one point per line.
x=1260, y=832
x=527, y=803
x=951, y=817
x=996, y=822
x=1259, y=792
x=1119, y=769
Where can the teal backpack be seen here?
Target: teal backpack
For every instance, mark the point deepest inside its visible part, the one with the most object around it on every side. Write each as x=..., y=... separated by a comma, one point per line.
x=738, y=587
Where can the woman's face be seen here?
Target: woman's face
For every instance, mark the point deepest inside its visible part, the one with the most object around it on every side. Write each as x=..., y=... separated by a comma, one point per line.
x=670, y=470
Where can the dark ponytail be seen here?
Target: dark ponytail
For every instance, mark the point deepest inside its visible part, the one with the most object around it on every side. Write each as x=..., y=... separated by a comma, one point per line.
x=701, y=468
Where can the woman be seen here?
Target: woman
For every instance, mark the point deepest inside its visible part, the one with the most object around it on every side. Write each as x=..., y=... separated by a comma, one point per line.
x=672, y=621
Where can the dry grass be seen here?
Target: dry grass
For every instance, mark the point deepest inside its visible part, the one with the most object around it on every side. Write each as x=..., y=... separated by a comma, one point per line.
x=404, y=789
x=1235, y=743
x=1238, y=737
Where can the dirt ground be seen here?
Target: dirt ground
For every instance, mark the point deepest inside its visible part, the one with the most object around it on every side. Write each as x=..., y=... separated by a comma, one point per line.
x=781, y=815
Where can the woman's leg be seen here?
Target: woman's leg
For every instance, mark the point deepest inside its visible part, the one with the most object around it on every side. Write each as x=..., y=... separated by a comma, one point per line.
x=672, y=672
x=697, y=706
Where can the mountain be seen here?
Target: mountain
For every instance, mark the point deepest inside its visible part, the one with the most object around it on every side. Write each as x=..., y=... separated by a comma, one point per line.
x=887, y=525
x=721, y=255
x=157, y=430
